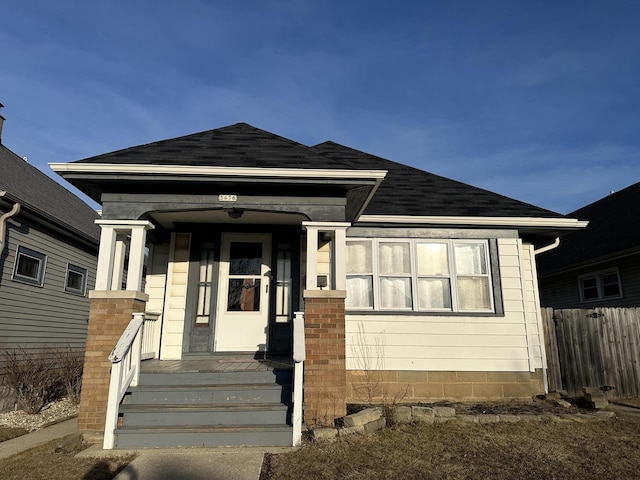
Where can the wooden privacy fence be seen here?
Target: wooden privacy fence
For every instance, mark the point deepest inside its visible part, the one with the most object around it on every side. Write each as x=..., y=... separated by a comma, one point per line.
x=593, y=348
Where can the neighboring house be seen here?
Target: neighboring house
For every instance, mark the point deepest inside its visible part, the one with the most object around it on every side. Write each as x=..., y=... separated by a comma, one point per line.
x=422, y=285
x=598, y=266
x=48, y=250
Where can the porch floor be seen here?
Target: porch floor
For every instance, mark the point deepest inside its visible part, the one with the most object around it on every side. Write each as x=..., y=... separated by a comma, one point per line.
x=217, y=363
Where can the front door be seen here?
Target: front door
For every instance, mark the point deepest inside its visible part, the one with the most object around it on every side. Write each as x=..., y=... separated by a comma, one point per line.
x=243, y=294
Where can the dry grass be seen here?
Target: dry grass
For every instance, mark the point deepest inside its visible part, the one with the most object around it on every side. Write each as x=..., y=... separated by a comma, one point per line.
x=7, y=433
x=46, y=463
x=607, y=448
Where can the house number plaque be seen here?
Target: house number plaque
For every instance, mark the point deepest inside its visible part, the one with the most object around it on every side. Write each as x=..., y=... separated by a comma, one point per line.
x=227, y=198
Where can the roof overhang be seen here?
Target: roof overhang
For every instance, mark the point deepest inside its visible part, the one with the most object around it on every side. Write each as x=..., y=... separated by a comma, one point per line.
x=531, y=226
x=95, y=179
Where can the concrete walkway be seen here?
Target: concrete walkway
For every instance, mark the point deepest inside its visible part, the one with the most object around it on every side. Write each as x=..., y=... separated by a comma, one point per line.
x=39, y=437
x=223, y=463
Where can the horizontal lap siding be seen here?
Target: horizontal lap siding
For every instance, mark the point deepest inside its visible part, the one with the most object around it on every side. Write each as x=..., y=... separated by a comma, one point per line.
x=176, y=299
x=451, y=343
x=47, y=316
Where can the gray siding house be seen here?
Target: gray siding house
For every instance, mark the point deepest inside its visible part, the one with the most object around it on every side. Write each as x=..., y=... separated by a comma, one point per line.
x=48, y=250
x=598, y=266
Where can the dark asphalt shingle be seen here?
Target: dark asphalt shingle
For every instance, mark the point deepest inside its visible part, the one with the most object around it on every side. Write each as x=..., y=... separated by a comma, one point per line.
x=614, y=227
x=405, y=191
x=36, y=190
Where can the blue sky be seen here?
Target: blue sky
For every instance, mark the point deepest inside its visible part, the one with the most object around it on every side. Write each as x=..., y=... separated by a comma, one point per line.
x=536, y=100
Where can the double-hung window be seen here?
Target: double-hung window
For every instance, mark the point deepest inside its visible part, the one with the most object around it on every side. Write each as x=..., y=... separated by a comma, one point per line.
x=29, y=266
x=419, y=275
x=600, y=285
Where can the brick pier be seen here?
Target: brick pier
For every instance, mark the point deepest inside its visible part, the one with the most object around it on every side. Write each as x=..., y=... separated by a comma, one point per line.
x=109, y=314
x=324, y=369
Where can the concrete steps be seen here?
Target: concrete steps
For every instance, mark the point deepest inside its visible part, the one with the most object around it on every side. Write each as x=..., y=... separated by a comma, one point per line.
x=207, y=409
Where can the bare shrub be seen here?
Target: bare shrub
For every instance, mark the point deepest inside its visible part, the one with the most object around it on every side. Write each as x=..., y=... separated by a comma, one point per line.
x=69, y=363
x=369, y=357
x=37, y=377
x=30, y=374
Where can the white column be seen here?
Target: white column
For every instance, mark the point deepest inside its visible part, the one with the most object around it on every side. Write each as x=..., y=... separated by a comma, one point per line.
x=104, y=271
x=111, y=253
x=339, y=258
x=312, y=258
x=136, y=256
x=338, y=231
x=118, y=262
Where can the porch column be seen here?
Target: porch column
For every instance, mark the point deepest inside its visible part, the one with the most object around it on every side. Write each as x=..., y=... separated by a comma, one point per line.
x=110, y=311
x=324, y=316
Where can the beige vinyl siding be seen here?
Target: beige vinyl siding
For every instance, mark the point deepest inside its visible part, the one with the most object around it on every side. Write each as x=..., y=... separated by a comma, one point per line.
x=157, y=277
x=324, y=262
x=455, y=342
x=41, y=317
x=175, y=302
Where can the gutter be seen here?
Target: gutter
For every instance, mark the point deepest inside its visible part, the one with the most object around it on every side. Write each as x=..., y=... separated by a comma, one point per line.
x=3, y=220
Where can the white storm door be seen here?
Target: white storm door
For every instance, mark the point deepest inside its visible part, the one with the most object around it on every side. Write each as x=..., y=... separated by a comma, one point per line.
x=243, y=294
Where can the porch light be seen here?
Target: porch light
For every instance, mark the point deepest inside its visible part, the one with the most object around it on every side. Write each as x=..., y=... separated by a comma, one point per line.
x=234, y=212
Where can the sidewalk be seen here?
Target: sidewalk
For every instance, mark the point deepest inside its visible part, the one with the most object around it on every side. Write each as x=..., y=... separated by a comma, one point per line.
x=39, y=437
x=222, y=463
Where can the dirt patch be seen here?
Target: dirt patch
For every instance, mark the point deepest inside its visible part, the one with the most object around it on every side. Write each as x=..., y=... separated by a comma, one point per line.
x=56, y=460
x=515, y=407
x=538, y=406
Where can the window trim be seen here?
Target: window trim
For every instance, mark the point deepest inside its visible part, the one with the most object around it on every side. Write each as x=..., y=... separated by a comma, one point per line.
x=42, y=265
x=79, y=270
x=597, y=275
x=414, y=277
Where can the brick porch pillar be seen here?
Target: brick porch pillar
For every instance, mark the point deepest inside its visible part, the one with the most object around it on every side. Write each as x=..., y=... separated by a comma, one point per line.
x=109, y=314
x=325, y=381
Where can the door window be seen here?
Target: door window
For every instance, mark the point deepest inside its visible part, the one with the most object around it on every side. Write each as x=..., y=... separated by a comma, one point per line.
x=245, y=263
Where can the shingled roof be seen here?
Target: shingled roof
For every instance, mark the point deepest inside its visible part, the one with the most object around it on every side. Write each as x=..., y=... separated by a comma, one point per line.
x=614, y=229
x=39, y=194
x=405, y=190
x=410, y=191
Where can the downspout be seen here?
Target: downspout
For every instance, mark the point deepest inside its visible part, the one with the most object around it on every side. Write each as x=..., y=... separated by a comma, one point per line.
x=546, y=248
x=3, y=221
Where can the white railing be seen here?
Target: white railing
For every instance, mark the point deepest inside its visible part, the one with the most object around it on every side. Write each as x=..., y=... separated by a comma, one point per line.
x=299, y=356
x=150, y=336
x=125, y=369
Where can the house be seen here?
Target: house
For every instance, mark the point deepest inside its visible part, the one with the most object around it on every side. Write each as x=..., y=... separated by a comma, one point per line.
x=598, y=266
x=48, y=255
x=412, y=286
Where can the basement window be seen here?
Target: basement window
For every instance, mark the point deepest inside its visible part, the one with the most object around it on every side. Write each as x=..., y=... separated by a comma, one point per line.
x=29, y=267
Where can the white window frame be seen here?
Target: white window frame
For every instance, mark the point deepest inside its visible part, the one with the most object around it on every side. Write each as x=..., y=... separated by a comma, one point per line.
x=414, y=276
x=599, y=285
x=81, y=271
x=22, y=251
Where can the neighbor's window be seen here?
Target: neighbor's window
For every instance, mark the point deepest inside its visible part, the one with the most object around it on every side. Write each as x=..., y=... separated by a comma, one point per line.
x=600, y=285
x=419, y=275
x=29, y=266
x=76, y=280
